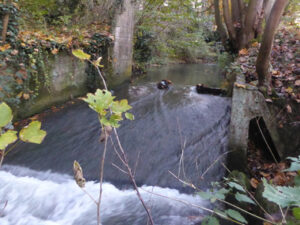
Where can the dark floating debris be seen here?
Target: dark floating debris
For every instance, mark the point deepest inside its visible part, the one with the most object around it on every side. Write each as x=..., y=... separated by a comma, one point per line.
x=202, y=89
x=164, y=84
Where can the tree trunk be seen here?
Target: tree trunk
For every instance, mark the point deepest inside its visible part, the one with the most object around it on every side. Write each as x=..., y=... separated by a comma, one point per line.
x=263, y=58
x=267, y=7
x=5, y=25
x=235, y=12
x=248, y=31
x=219, y=23
x=228, y=22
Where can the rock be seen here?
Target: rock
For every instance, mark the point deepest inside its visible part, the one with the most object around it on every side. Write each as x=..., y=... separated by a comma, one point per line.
x=202, y=89
x=164, y=84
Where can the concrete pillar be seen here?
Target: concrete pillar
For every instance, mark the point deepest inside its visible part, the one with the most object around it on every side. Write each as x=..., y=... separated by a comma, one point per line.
x=123, y=44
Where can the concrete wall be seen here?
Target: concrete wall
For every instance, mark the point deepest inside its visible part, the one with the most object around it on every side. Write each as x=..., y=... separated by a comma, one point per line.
x=248, y=103
x=67, y=79
x=123, y=44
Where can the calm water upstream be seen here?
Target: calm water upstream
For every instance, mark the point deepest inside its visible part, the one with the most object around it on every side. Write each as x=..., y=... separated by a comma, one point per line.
x=174, y=130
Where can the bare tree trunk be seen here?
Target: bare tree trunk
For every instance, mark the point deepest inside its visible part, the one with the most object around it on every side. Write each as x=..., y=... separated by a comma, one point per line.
x=228, y=22
x=5, y=24
x=248, y=31
x=235, y=12
x=263, y=58
x=241, y=5
x=219, y=23
x=268, y=4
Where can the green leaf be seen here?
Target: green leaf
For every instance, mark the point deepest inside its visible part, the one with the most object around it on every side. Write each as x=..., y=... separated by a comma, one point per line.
x=96, y=63
x=7, y=138
x=236, y=186
x=120, y=106
x=244, y=198
x=101, y=101
x=114, y=120
x=295, y=165
x=5, y=114
x=297, y=180
x=296, y=213
x=236, y=215
x=129, y=116
x=220, y=194
x=80, y=54
x=33, y=133
x=205, y=195
x=282, y=195
x=210, y=220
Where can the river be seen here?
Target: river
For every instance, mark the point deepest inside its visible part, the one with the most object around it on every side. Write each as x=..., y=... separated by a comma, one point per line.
x=175, y=130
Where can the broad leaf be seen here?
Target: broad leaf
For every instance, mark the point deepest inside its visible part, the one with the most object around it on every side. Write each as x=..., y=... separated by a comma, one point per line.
x=120, y=106
x=236, y=215
x=129, y=116
x=80, y=54
x=297, y=180
x=244, y=198
x=236, y=186
x=210, y=220
x=100, y=101
x=295, y=165
x=5, y=114
x=296, y=213
x=220, y=194
x=33, y=133
x=281, y=195
x=7, y=138
x=205, y=195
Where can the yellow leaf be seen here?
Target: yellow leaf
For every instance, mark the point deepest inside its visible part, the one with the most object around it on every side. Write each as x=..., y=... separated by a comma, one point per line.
x=255, y=44
x=80, y=54
x=289, y=90
x=26, y=96
x=5, y=47
x=243, y=51
x=54, y=51
x=240, y=85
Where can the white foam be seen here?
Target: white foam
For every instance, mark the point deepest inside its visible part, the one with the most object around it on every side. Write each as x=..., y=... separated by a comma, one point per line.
x=59, y=201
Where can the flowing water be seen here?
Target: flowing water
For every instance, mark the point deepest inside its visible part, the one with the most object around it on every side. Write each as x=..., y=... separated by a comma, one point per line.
x=175, y=130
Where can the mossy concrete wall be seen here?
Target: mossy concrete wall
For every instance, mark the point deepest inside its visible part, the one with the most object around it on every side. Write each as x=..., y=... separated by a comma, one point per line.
x=66, y=80
x=248, y=103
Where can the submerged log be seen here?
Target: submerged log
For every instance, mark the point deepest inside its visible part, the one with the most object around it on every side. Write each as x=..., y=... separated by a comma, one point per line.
x=202, y=89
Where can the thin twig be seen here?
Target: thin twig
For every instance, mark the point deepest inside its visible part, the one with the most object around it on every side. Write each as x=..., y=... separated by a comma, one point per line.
x=211, y=165
x=193, y=205
x=101, y=178
x=182, y=181
x=136, y=163
x=132, y=178
x=269, y=148
x=123, y=171
x=91, y=197
x=182, y=144
x=125, y=160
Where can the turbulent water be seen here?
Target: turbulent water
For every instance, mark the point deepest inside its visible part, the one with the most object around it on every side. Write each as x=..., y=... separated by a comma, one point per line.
x=175, y=130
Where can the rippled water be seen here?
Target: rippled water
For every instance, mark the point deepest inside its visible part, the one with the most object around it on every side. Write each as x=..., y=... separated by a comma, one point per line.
x=174, y=130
